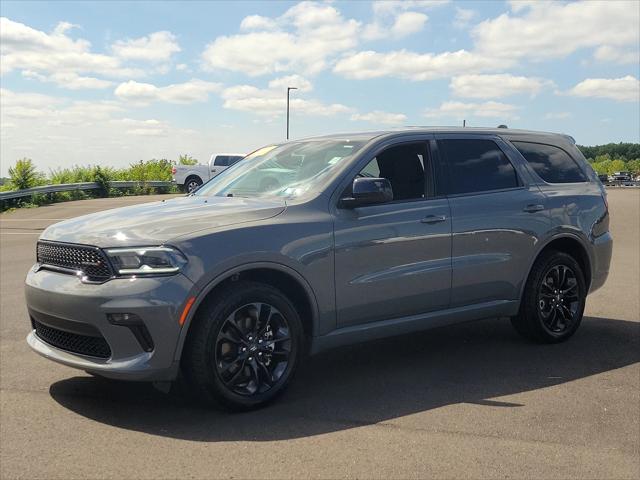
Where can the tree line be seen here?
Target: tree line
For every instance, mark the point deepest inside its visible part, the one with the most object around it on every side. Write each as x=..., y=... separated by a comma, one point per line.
x=613, y=157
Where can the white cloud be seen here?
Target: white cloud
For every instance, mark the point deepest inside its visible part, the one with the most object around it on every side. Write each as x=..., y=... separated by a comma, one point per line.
x=69, y=80
x=272, y=101
x=34, y=107
x=143, y=128
x=257, y=22
x=496, y=86
x=398, y=19
x=25, y=48
x=557, y=115
x=382, y=7
x=156, y=47
x=626, y=89
x=607, y=53
x=407, y=23
x=463, y=17
x=58, y=131
x=301, y=83
x=413, y=66
x=189, y=92
x=460, y=110
x=404, y=24
x=541, y=30
x=379, y=117
x=307, y=36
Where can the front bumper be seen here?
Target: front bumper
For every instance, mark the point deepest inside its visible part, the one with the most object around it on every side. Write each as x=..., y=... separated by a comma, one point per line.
x=65, y=303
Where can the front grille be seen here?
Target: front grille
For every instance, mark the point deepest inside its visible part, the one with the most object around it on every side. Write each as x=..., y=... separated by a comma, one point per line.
x=89, y=260
x=73, y=342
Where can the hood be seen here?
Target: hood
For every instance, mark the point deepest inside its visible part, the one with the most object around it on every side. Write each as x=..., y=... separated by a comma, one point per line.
x=158, y=222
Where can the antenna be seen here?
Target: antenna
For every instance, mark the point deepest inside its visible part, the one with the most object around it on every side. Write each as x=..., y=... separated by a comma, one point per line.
x=464, y=123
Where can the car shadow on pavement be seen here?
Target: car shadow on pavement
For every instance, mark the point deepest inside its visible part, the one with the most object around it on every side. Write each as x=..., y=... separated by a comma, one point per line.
x=370, y=383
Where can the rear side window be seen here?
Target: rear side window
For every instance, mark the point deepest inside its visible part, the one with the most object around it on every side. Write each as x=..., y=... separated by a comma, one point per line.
x=221, y=161
x=477, y=166
x=552, y=164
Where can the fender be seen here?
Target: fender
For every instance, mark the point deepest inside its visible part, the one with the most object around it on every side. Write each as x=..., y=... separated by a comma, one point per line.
x=202, y=294
x=543, y=244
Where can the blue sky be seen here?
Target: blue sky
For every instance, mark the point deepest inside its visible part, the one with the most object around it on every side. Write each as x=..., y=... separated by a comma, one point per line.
x=113, y=82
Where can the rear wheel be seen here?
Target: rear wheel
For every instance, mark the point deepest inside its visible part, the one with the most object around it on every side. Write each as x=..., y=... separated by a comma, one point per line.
x=192, y=183
x=244, y=347
x=554, y=299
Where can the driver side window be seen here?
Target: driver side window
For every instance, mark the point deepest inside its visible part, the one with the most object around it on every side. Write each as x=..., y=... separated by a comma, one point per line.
x=404, y=166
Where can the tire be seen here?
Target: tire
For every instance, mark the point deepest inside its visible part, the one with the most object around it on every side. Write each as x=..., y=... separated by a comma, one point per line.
x=549, y=314
x=214, y=364
x=191, y=183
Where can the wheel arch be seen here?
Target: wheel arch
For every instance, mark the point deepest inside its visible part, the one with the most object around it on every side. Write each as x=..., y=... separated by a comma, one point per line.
x=191, y=175
x=289, y=281
x=569, y=244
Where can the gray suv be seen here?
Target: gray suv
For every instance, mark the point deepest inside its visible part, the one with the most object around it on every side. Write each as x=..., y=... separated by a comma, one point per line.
x=323, y=242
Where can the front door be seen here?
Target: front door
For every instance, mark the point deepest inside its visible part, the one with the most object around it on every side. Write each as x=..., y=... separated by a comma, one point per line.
x=393, y=260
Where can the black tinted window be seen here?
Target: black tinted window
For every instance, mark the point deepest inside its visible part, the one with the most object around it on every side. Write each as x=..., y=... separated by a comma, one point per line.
x=552, y=164
x=477, y=166
x=221, y=161
x=234, y=159
x=404, y=167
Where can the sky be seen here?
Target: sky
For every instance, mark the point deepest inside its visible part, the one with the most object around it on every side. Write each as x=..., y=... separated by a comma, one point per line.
x=114, y=82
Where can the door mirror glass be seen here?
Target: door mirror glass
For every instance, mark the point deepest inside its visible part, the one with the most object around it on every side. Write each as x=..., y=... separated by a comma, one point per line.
x=368, y=191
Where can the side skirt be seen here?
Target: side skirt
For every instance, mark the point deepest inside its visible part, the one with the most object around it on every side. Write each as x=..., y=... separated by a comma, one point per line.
x=400, y=326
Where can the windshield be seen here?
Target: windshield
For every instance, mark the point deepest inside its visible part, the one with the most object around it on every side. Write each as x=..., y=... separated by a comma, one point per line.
x=287, y=170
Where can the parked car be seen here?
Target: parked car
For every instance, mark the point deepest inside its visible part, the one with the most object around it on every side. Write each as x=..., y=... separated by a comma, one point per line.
x=620, y=178
x=604, y=179
x=190, y=177
x=364, y=236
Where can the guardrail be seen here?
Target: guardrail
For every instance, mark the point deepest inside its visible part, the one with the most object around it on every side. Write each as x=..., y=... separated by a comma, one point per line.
x=69, y=187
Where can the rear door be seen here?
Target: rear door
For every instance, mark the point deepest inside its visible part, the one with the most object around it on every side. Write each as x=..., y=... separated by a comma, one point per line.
x=498, y=216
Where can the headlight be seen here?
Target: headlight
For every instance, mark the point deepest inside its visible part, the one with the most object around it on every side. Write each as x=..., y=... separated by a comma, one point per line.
x=146, y=260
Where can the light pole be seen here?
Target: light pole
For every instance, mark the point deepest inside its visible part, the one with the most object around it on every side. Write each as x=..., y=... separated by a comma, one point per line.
x=288, y=90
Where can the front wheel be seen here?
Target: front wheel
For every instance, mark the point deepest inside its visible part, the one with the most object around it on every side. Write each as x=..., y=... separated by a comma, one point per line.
x=244, y=347
x=554, y=299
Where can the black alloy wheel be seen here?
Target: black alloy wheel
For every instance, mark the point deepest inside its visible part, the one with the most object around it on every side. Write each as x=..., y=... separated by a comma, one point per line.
x=558, y=299
x=553, y=300
x=253, y=349
x=244, y=346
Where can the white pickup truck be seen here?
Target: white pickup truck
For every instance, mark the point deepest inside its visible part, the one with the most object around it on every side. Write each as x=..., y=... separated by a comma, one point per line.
x=190, y=177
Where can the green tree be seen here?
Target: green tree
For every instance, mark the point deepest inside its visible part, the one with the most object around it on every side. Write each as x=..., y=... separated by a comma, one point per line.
x=187, y=160
x=633, y=166
x=101, y=177
x=601, y=168
x=617, y=166
x=24, y=174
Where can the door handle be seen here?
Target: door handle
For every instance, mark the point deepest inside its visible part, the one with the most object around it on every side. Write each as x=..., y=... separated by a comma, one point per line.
x=533, y=208
x=430, y=219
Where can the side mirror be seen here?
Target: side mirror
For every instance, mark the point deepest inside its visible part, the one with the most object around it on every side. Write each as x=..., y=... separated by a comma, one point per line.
x=368, y=191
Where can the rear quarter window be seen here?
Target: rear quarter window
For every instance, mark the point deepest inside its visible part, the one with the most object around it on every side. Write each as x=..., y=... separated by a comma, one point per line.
x=552, y=164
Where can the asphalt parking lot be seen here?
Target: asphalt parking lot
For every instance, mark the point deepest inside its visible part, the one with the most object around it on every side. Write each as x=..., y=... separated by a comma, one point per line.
x=470, y=401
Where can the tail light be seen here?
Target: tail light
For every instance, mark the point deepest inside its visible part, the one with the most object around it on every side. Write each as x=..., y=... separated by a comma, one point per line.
x=173, y=170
